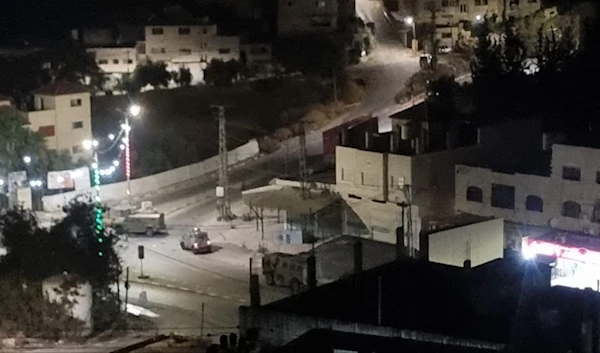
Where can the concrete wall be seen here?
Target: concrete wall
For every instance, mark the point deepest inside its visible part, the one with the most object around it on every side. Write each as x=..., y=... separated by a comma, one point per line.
x=554, y=190
x=153, y=184
x=479, y=242
x=115, y=60
x=278, y=329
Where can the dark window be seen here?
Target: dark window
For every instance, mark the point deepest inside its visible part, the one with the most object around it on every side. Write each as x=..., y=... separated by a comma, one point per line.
x=446, y=35
x=185, y=51
x=77, y=149
x=570, y=209
x=75, y=102
x=531, y=1
x=571, y=173
x=47, y=131
x=115, y=61
x=463, y=8
x=184, y=30
x=102, y=62
x=503, y=196
x=596, y=214
x=129, y=61
x=444, y=3
x=224, y=51
x=474, y=194
x=157, y=31
x=534, y=203
x=597, y=177
x=77, y=125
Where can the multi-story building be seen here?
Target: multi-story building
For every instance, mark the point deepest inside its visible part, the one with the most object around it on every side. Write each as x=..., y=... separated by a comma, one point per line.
x=409, y=174
x=564, y=194
x=62, y=115
x=115, y=60
x=451, y=12
x=303, y=17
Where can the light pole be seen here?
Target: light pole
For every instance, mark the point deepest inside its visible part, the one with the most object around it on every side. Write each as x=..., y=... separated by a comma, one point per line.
x=89, y=145
x=134, y=112
x=411, y=22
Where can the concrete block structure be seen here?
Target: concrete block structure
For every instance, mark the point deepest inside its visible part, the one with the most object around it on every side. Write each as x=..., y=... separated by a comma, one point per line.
x=62, y=115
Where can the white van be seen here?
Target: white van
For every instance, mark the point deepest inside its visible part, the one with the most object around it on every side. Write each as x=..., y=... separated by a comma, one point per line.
x=141, y=223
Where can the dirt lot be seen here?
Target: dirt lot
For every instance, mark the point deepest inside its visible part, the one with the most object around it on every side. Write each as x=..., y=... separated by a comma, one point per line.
x=177, y=126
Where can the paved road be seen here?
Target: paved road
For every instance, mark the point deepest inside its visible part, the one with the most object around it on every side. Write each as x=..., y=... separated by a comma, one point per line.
x=220, y=279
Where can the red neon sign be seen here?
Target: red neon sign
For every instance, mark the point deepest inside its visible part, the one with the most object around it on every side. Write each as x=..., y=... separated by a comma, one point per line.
x=539, y=247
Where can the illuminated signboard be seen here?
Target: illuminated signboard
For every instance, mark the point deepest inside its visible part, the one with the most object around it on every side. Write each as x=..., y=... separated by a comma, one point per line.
x=532, y=247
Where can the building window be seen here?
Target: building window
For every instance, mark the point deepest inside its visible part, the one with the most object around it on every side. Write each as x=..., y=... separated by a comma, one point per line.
x=115, y=61
x=571, y=173
x=503, y=196
x=474, y=194
x=320, y=3
x=204, y=30
x=77, y=149
x=184, y=31
x=157, y=31
x=76, y=102
x=570, y=209
x=157, y=50
x=446, y=35
x=102, y=62
x=185, y=51
x=46, y=131
x=534, y=203
x=224, y=50
x=481, y=2
x=130, y=61
x=463, y=8
x=77, y=125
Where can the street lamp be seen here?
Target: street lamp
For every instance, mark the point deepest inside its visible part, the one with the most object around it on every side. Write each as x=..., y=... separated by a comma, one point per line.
x=478, y=18
x=134, y=111
x=27, y=159
x=411, y=22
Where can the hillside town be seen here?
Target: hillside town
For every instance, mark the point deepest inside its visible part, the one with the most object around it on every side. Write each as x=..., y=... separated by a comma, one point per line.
x=286, y=175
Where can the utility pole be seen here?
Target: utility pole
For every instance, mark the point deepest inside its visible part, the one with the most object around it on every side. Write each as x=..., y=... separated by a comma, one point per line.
x=222, y=191
x=303, y=167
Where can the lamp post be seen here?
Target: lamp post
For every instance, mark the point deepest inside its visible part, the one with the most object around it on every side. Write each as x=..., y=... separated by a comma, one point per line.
x=134, y=112
x=411, y=22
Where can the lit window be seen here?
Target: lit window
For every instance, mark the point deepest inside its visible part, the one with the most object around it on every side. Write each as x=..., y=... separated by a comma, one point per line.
x=77, y=125
x=184, y=30
x=534, y=203
x=76, y=102
x=46, y=131
x=571, y=173
x=157, y=31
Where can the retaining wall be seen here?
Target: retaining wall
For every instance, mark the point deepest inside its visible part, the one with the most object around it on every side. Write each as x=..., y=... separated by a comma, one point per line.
x=153, y=184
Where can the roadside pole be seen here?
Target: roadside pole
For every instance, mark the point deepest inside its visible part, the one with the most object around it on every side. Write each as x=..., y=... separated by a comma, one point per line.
x=127, y=288
x=202, y=322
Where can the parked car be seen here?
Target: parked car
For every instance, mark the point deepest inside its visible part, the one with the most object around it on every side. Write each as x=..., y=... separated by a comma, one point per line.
x=196, y=241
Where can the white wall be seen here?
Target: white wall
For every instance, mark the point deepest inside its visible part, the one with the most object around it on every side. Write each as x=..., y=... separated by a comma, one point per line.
x=479, y=242
x=126, y=59
x=554, y=190
x=154, y=183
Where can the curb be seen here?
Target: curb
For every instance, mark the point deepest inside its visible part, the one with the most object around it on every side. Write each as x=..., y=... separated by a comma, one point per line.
x=184, y=289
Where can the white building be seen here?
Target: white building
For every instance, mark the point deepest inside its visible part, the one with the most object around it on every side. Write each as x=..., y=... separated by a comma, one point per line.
x=115, y=60
x=189, y=46
x=566, y=198
x=406, y=167
x=62, y=115
x=451, y=12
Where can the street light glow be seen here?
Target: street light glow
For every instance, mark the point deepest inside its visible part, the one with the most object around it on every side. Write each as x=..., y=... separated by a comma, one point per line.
x=126, y=127
x=122, y=147
x=478, y=18
x=36, y=183
x=95, y=143
x=27, y=159
x=111, y=137
x=1, y=182
x=116, y=163
x=409, y=20
x=135, y=110
x=87, y=144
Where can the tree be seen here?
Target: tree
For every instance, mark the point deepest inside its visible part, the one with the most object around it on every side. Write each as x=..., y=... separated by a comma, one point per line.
x=17, y=141
x=151, y=73
x=70, y=246
x=311, y=54
x=183, y=77
x=220, y=73
x=71, y=61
